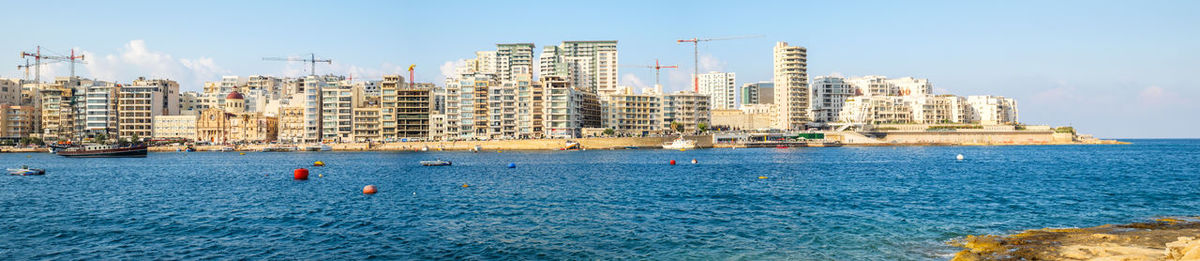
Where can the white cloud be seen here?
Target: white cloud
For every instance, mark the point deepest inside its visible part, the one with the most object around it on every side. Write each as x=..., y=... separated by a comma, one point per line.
x=448, y=69
x=632, y=80
x=136, y=59
x=709, y=63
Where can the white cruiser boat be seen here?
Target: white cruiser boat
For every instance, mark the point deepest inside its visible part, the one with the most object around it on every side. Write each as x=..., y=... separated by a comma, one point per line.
x=680, y=144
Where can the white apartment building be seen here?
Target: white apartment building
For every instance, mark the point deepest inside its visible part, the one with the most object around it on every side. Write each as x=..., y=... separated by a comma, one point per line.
x=991, y=110
x=687, y=108
x=337, y=112
x=829, y=93
x=632, y=114
x=590, y=65
x=791, y=86
x=721, y=88
x=513, y=58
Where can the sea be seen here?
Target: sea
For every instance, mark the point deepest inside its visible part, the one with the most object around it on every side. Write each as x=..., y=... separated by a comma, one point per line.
x=844, y=203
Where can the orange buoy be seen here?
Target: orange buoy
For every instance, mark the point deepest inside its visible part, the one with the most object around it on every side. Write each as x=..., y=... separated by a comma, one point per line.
x=672, y=162
x=465, y=185
x=300, y=174
x=694, y=161
x=369, y=189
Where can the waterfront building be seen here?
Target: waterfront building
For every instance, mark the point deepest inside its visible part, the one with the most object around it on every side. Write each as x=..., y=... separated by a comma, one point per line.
x=875, y=85
x=628, y=113
x=95, y=108
x=721, y=88
x=687, y=108
x=589, y=65
x=502, y=109
x=291, y=124
x=791, y=86
x=57, y=113
x=337, y=112
x=568, y=109
x=231, y=124
x=877, y=110
x=513, y=58
x=992, y=110
x=169, y=127
x=366, y=119
x=758, y=93
x=17, y=121
x=829, y=94
x=466, y=105
x=138, y=103
x=530, y=105
x=10, y=91
x=748, y=117
x=193, y=102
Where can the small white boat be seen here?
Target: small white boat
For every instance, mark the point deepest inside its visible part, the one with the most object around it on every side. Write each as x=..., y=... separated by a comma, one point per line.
x=26, y=171
x=680, y=144
x=321, y=147
x=435, y=163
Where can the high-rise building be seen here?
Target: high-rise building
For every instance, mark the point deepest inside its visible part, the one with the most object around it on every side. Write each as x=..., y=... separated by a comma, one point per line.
x=57, y=113
x=791, y=86
x=721, y=88
x=589, y=65
x=758, y=93
x=337, y=112
x=138, y=103
x=513, y=58
x=406, y=108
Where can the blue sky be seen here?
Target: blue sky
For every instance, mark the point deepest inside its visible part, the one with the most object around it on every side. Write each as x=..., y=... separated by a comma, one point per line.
x=1112, y=68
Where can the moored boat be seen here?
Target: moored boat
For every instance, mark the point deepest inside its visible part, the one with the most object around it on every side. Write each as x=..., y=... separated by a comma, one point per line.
x=436, y=163
x=679, y=144
x=26, y=171
x=103, y=151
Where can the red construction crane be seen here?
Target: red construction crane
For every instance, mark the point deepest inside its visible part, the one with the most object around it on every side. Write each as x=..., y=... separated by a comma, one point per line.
x=656, y=68
x=38, y=57
x=696, y=52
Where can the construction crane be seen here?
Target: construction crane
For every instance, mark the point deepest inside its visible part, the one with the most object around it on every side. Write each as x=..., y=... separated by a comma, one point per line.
x=411, y=81
x=656, y=68
x=312, y=61
x=37, y=62
x=696, y=52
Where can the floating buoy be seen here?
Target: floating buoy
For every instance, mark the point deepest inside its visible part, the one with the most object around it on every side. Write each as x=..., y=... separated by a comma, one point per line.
x=959, y=157
x=369, y=189
x=318, y=164
x=320, y=175
x=512, y=165
x=672, y=162
x=300, y=174
x=762, y=177
x=243, y=153
x=682, y=149
x=465, y=185
x=499, y=151
x=694, y=161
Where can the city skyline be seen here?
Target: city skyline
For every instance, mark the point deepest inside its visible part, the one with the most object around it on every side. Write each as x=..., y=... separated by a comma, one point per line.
x=1070, y=63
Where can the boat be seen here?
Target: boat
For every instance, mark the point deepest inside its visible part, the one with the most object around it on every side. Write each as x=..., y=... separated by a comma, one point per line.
x=278, y=149
x=680, y=143
x=435, y=163
x=26, y=171
x=632, y=147
x=572, y=145
x=103, y=151
x=321, y=147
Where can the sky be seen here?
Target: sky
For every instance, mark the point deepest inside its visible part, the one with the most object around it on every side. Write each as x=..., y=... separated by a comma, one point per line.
x=1116, y=69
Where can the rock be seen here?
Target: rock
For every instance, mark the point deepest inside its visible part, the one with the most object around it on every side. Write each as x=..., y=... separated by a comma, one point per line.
x=1184, y=249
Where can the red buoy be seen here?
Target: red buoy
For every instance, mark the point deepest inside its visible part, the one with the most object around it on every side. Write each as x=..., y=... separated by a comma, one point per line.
x=672, y=162
x=300, y=174
x=369, y=189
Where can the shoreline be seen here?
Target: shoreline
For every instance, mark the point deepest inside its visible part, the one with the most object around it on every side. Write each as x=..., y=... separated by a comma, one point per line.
x=1168, y=238
x=703, y=142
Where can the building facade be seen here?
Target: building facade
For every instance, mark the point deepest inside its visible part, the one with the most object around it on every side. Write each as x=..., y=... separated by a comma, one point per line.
x=791, y=86
x=758, y=93
x=170, y=127
x=721, y=88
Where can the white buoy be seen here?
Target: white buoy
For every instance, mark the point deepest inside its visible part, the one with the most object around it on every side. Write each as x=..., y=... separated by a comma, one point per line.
x=959, y=157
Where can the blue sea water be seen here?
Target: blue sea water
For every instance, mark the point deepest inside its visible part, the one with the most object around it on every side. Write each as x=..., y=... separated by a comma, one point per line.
x=848, y=203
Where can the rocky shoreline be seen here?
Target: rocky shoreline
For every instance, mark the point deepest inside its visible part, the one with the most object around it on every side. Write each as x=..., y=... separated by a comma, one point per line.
x=1161, y=239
